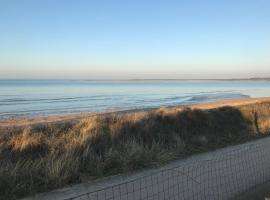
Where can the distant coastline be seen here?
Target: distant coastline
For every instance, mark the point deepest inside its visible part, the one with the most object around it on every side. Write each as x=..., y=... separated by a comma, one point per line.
x=180, y=79
x=225, y=79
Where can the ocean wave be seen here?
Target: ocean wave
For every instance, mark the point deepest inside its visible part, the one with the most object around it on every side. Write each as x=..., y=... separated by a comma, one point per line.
x=37, y=107
x=216, y=97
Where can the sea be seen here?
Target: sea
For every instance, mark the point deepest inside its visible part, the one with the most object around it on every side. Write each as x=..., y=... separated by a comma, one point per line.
x=42, y=98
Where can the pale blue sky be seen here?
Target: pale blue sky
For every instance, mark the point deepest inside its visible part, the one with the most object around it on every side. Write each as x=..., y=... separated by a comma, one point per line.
x=122, y=39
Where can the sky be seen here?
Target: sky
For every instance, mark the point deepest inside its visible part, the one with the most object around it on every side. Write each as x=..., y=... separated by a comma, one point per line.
x=134, y=39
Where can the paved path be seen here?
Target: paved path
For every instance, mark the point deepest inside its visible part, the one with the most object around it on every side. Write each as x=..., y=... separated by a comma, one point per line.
x=221, y=174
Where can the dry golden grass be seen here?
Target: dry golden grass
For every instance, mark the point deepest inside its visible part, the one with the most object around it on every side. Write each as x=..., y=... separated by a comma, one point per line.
x=43, y=157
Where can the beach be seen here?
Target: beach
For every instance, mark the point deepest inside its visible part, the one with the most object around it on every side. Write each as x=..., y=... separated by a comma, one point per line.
x=73, y=149
x=92, y=89
x=77, y=117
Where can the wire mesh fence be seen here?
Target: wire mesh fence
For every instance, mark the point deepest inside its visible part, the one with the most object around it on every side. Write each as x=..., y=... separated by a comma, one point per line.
x=221, y=176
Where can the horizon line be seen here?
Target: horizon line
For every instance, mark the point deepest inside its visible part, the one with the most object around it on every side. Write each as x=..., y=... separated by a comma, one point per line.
x=138, y=79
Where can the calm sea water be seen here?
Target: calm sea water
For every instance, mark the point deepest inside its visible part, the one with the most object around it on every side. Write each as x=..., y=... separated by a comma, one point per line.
x=32, y=98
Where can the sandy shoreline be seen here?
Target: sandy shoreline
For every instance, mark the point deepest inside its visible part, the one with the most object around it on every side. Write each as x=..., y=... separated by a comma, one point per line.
x=52, y=119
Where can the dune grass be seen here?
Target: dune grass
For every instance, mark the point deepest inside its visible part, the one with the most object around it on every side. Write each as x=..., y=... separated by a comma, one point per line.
x=39, y=158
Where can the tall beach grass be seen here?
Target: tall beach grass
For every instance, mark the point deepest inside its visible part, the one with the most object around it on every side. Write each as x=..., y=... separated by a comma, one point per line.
x=43, y=157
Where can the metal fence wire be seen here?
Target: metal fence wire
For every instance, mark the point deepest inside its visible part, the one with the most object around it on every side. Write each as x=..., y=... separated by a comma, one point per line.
x=219, y=176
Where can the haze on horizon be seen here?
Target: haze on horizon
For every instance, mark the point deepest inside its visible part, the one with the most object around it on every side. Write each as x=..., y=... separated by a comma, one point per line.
x=134, y=39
